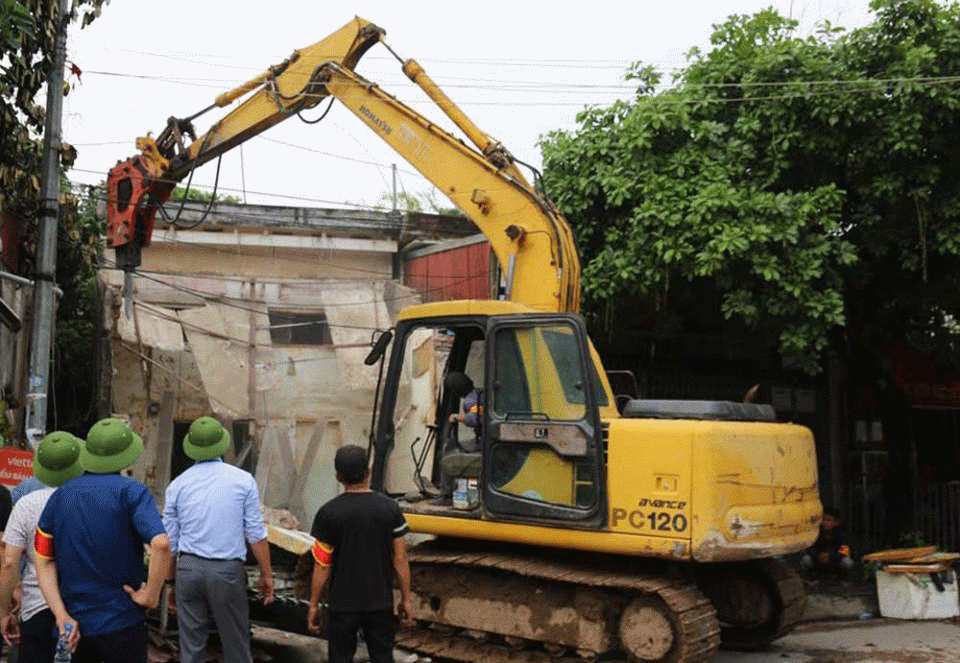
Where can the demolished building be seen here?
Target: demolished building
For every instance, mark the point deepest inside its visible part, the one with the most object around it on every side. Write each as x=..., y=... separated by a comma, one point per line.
x=262, y=316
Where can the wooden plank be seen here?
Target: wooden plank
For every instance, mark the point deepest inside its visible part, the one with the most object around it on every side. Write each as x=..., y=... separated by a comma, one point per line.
x=899, y=554
x=288, y=464
x=915, y=568
x=935, y=557
x=165, y=440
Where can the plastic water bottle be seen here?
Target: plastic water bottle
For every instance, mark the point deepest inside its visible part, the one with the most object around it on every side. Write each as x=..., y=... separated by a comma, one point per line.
x=63, y=653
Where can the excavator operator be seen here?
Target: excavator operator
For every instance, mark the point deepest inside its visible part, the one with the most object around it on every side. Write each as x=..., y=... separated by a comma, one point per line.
x=461, y=459
x=461, y=386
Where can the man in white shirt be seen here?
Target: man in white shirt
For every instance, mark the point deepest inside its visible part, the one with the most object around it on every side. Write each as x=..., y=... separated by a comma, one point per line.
x=211, y=512
x=56, y=461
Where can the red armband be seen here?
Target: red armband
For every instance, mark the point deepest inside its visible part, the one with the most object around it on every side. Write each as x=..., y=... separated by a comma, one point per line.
x=322, y=553
x=43, y=544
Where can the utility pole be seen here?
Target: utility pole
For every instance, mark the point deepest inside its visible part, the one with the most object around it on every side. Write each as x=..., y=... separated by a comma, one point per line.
x=394, y=169
x=44, y=309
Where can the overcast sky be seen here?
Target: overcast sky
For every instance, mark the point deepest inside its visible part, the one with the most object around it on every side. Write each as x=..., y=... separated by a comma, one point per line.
x=518, y=69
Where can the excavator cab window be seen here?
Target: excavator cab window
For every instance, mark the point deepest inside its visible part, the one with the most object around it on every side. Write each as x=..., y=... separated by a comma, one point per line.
x=542, y=453
x=535, y=449
x=420, y=395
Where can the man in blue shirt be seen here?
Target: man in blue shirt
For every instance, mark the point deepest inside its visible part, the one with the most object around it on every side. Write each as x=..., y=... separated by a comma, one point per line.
x=210, y=512
x=90, y=537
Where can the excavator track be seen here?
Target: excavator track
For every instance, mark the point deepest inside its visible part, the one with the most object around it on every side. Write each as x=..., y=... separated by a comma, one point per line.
x=523, y=605
x=757, y=602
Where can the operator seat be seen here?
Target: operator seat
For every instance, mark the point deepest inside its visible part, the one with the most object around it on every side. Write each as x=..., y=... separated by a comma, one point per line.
x=457, y=463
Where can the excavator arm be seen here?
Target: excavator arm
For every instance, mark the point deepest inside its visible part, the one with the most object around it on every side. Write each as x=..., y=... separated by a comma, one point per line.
x=529, y=236
x=138, y=187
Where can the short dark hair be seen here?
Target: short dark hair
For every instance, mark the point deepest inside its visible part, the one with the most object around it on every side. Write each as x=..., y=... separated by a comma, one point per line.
x=457, y=383
x=833, y=512
x=351, y=464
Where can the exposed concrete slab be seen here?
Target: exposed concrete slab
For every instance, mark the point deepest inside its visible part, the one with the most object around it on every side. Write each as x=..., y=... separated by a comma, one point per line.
x=294, y=648
x=832, y=606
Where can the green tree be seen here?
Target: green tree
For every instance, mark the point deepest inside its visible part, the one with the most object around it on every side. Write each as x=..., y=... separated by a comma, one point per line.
x=424, y=201
x=196, y=195
x=75, y=369
x=806, y=182
x=28, y=31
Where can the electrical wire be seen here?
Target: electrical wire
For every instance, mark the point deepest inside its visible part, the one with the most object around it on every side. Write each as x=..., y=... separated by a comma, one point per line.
x=228, y=301
x=496, y=85
x=361, y=221
x=264, y=194
x=581, y=63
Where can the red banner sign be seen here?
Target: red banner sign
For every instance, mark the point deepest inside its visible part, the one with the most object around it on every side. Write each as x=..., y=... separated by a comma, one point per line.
x=15, y=465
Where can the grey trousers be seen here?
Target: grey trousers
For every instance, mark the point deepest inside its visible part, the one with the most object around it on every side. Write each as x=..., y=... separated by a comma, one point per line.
x=206, y=588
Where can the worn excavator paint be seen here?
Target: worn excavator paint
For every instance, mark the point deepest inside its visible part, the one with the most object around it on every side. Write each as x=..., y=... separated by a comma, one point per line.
x=706, y=491
x=685, y=491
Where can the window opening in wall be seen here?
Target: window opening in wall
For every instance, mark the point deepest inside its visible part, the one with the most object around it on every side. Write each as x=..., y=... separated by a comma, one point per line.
x=179, y=461
x=299, y=328
x=240, y=432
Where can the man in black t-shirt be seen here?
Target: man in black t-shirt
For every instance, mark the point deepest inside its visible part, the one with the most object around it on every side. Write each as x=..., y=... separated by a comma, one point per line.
x=359, y=547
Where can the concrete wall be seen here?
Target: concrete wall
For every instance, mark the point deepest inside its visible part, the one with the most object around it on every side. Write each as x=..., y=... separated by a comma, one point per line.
x=198, y=342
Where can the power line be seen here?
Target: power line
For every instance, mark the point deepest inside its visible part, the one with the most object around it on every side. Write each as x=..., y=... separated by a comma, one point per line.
x=564, y=63
x=227, y=300
x=258, y=193
x=386, y=224
x=493, y=87
x=498, y=85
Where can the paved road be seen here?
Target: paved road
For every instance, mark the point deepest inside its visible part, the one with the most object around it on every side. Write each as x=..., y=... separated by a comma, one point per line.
x=869, y=641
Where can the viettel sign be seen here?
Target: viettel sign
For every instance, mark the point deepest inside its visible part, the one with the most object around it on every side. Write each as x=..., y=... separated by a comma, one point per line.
x=15, y=465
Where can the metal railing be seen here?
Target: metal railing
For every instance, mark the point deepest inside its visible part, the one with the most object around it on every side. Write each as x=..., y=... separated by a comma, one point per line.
x=936, y=514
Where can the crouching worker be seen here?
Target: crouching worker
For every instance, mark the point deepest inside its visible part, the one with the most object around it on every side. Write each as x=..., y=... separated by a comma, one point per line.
x=830, y=553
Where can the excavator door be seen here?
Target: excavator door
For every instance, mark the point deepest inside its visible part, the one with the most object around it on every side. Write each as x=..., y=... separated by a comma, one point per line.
x=543, y=447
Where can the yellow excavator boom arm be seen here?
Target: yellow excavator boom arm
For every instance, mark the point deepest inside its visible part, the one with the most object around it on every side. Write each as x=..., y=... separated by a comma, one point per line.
x=528, y=234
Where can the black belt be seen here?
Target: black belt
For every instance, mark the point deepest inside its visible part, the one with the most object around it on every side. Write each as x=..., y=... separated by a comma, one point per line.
x=211, y=559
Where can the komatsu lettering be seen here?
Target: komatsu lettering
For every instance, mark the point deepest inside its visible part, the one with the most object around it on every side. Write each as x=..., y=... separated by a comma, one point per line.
x=375, y=121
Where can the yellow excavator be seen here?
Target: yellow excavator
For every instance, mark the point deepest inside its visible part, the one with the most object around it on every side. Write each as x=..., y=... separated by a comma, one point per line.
x=566, y=523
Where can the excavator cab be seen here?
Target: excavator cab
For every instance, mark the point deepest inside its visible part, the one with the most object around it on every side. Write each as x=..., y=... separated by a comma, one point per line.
x=542, y=446
x=532, y=447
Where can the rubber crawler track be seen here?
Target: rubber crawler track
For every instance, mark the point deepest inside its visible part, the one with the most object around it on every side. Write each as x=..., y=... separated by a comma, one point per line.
x=698, y=631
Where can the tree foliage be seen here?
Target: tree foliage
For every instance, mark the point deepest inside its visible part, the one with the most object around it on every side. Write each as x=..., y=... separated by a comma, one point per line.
x=423, y=201
x=811, y=182
x=28, y=31
x=79, y=239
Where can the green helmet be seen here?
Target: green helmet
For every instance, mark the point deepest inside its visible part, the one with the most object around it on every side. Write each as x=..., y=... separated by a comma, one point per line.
x=206, y=439
x=111, y=446
x=57, y=459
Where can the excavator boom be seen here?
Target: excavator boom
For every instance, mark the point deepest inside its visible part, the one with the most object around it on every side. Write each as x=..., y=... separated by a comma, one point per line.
x=528, y=234
x=138, y=187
